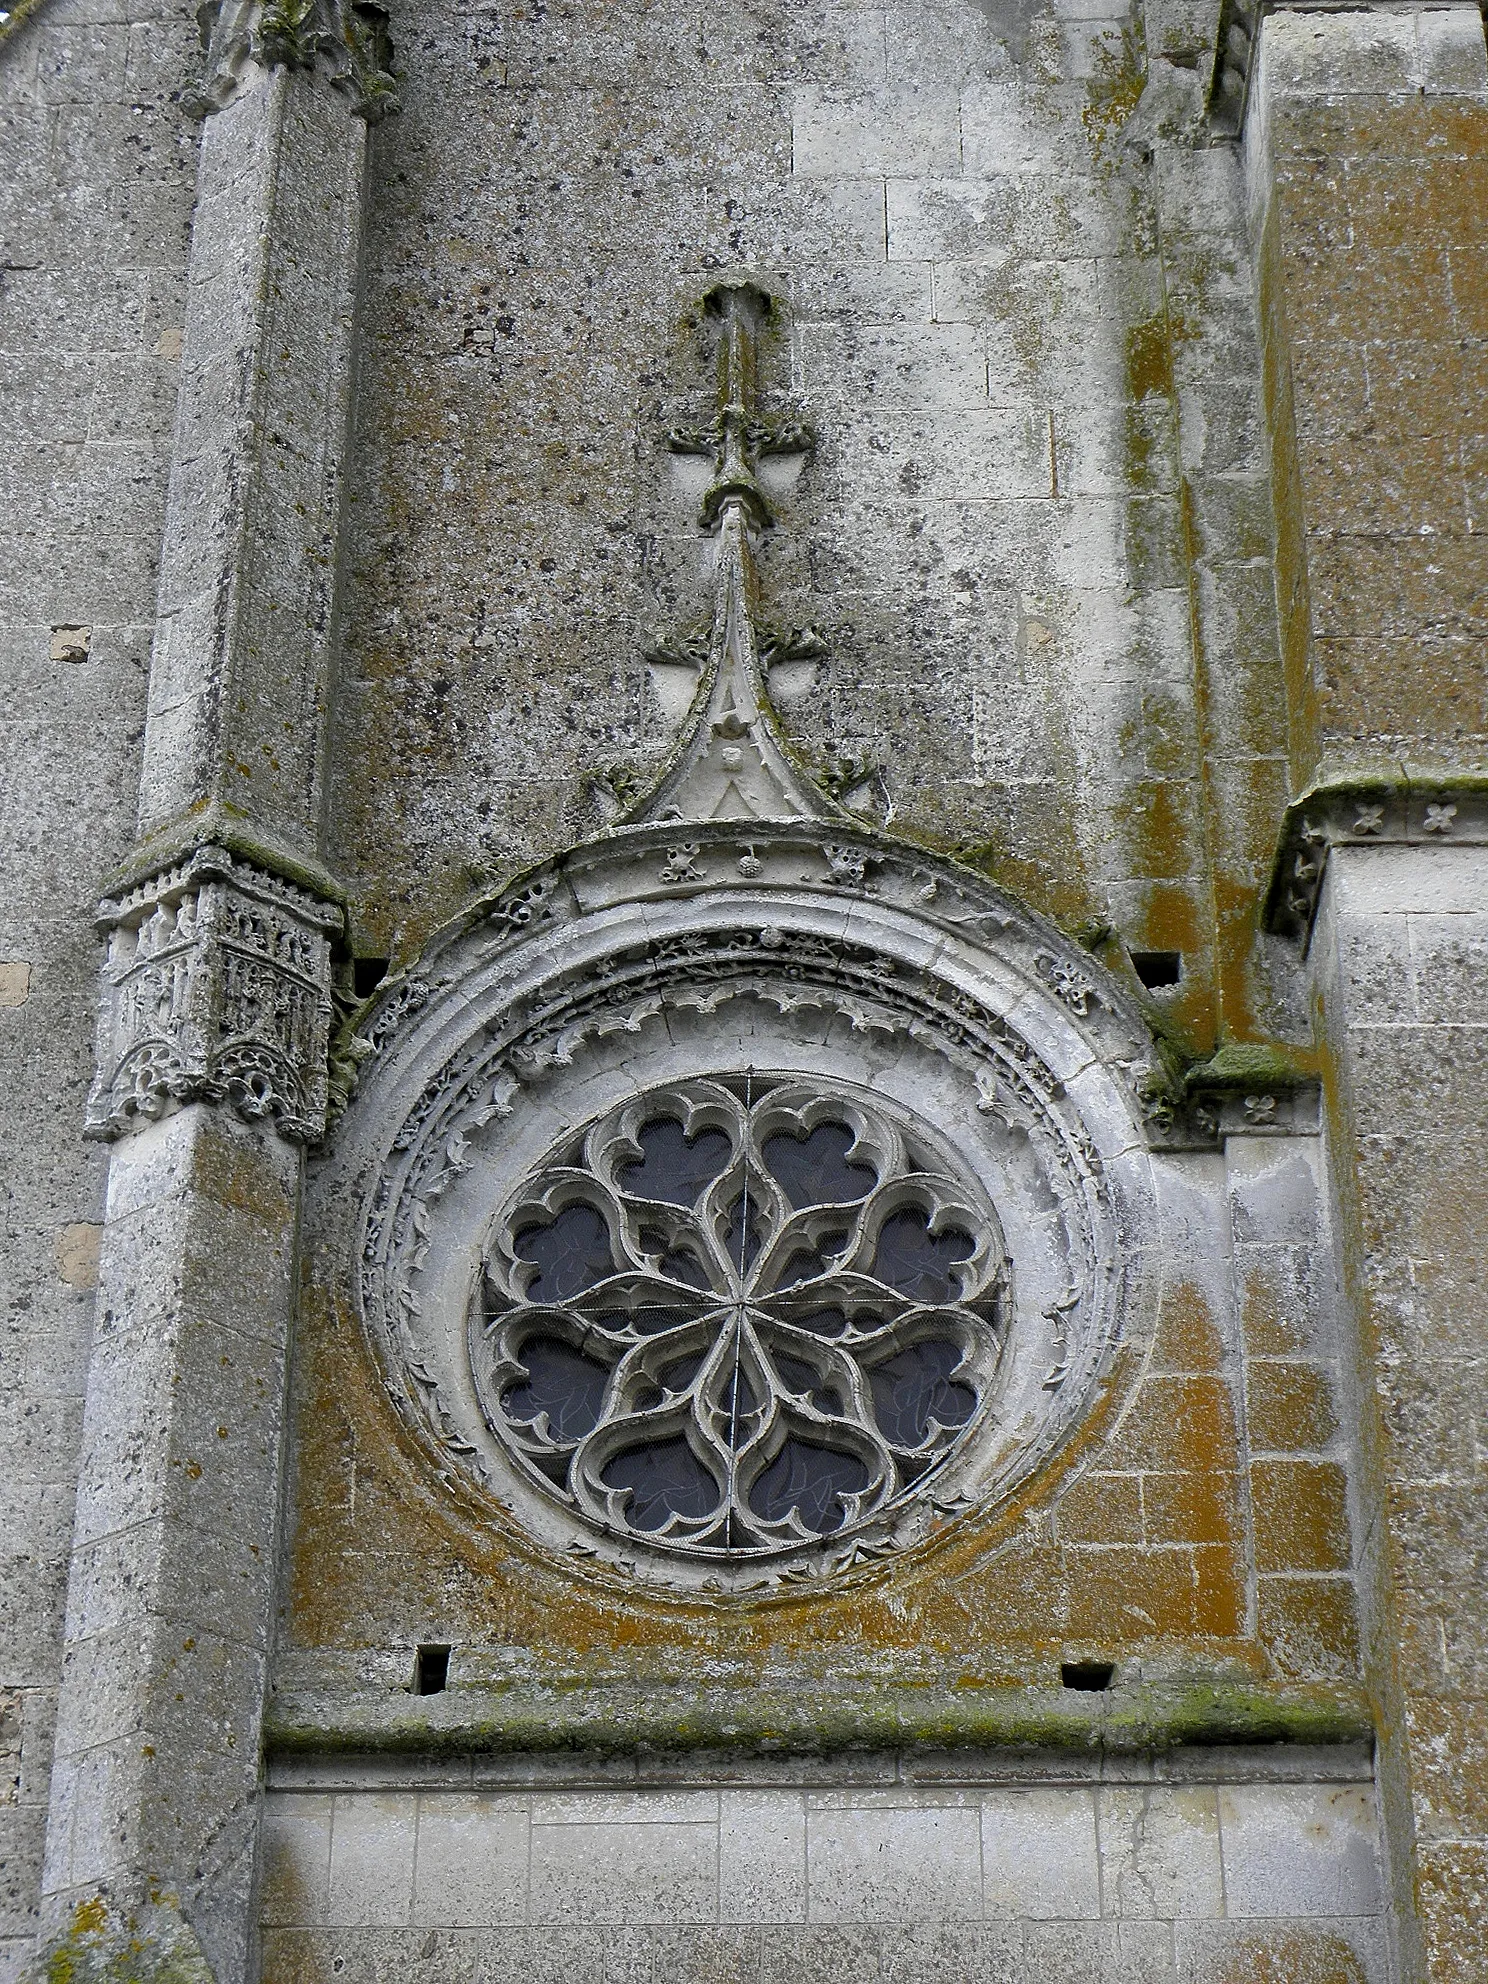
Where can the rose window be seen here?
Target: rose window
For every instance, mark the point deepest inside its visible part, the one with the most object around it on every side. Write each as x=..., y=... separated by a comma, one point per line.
x=741, y=1316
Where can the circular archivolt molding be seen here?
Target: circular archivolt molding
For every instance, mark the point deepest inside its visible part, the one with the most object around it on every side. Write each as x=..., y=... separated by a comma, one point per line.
x=853, y=1063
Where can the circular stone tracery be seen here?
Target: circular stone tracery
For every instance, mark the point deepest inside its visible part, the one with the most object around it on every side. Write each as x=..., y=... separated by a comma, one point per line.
x=736, y=1316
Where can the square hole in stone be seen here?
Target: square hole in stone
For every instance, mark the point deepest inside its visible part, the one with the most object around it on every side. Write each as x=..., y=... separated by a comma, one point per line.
x=367, y=974
x=431, y=1670
x=1091, y=1677
x=1157, y=968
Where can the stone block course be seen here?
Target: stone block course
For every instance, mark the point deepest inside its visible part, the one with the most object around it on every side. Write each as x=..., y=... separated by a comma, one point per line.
x=935, y=1861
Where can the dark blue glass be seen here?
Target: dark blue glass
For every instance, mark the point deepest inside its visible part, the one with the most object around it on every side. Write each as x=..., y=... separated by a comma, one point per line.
x=916, y=1261
x=567, y=1386
x=913, y=1388
x=665, y=1478
x=571, y=1254
x=813, y=1170
x=811, y=1479
x=801, y=1379
x=673, y=1169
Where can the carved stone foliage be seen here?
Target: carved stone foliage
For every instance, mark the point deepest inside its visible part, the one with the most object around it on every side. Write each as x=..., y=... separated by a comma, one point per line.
x=348, y=39
x=903, y=1011
x=216, y=988
x=736, y=1316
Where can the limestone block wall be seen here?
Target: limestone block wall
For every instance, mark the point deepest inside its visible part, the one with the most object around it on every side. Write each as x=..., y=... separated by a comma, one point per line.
x=1368, y=155
x=1403, y=944
x=1367, y=144
x=1019, y=603
x=95, y=211
x=1211, y=1868
x=1034, y=535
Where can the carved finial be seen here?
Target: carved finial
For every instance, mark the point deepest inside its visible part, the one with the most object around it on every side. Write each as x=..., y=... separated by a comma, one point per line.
x=739, y=437
x=732, y=765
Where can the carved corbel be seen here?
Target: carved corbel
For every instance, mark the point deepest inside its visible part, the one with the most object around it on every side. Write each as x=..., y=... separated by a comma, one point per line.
x=347, y=39
x=1411, y=809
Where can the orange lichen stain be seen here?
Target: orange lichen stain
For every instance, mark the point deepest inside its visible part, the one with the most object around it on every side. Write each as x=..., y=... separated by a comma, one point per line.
x=1187, y=1337
x=1301, y=1515
x=1291, y=1956
x=1191, y=1508
x=1101, y=1508
x=1126, y=1594
x=1272, y=1319
x=1310, y=1626
x=1289, y=1406
x=987, y=1599
x=1452, y=1900
x=1177, y=1424
x=1219, y=1591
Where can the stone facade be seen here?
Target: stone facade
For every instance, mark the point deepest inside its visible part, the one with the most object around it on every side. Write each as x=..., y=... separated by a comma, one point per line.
x=755, y=738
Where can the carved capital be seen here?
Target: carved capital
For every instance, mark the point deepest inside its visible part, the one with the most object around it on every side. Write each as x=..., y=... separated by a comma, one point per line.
x=347, y=39
x=216, y=988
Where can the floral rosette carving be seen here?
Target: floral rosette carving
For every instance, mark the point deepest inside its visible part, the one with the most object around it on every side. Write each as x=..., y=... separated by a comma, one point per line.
x=740, y=1316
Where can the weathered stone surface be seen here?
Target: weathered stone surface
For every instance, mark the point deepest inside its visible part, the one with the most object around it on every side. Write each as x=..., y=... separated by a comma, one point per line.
x=1143, y=492
x=96, y=194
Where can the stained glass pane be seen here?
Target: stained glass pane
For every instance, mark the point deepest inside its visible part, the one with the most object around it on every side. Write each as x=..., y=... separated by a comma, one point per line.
x=568, y=1387
x=913, y=1389
x=678, y=1264
x=801, y=1379
x=665, y=1478
x=809, y=1478
x=672, y=1168
x=679, y=1374
x=807, y=1262
x=571, y=1254
x=916, y=1261
x=822, y=1322
x=813, y=1170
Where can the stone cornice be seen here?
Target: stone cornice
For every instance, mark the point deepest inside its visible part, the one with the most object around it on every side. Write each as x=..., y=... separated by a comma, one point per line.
x=1411, y=807
x=216, y=827
x=812, y=1720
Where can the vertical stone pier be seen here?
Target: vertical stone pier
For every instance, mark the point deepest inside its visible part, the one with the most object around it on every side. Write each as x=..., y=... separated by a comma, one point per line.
x=1368, y=143
x=213, y=1031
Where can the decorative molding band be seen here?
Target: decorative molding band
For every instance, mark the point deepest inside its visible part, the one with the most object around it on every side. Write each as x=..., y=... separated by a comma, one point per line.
x=216, y=988
x=1410, y=810
x=347, y=39
x=810, y=1720
x=247, y=843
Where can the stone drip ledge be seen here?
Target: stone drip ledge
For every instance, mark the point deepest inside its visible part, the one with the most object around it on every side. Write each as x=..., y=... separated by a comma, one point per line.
x=472, y=1720
x=1405, y=809
x=1268, y=1763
